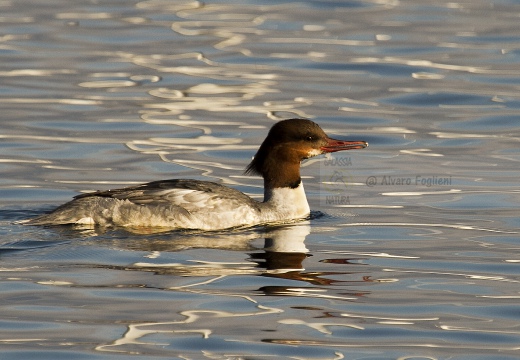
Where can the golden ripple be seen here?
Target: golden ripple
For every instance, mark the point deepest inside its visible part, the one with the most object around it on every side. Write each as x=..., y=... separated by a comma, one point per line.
x=420, y=152
x=107, y=84
x=84, y=15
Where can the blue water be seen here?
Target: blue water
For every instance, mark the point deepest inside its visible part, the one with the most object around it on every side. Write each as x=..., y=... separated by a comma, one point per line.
x=413, y=248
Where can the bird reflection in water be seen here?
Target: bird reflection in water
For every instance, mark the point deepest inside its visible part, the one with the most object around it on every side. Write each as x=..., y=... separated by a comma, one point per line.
x=282, y=256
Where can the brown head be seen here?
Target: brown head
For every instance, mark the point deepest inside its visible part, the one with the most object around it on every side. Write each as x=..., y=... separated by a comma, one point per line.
x=287, y=144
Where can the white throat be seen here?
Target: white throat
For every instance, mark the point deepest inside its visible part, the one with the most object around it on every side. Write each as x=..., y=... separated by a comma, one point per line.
x=290, y=202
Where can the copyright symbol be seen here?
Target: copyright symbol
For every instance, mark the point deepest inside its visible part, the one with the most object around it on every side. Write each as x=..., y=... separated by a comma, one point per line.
x=371, y=181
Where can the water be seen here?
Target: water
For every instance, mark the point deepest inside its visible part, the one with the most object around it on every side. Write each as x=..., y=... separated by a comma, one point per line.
x=415, y=252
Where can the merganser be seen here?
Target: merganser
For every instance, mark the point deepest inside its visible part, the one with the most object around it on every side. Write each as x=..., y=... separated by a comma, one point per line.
x=205, y=205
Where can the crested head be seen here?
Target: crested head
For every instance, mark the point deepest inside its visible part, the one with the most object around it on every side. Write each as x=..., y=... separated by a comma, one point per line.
x=286, y=145
x=294, y=138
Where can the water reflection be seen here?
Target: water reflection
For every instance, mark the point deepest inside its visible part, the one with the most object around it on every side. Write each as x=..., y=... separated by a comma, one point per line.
x=282, y=257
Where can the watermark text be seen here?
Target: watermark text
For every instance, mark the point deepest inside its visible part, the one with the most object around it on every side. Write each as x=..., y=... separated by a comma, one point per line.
x=417, y=180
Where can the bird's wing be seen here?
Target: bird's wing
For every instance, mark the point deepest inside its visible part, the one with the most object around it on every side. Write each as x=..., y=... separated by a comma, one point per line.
x=192, y=195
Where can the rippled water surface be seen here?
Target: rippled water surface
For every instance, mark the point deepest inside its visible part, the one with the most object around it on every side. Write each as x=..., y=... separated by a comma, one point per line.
x=413, y=249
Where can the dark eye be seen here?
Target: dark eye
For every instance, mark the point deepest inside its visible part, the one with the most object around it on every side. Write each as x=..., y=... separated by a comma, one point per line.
x=309, y=138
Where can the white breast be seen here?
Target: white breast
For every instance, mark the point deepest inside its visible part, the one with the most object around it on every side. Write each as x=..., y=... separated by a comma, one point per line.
x=287, y=203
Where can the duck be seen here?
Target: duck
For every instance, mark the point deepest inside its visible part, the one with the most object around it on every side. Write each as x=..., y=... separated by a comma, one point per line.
x=209, y=206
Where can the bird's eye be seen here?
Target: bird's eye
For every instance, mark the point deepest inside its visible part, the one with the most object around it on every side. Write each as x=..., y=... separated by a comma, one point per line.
x=309, y=138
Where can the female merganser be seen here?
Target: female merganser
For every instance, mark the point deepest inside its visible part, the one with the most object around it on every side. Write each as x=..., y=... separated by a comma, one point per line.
x=204, y=205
